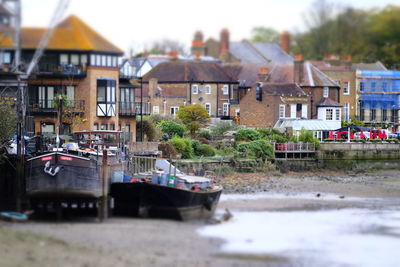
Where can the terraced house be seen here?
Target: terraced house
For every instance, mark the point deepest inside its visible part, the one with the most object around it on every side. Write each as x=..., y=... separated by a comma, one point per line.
x=178, y=83
x=81, y=65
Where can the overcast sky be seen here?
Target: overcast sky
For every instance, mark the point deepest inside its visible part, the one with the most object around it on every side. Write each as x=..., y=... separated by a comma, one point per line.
x=130, y=23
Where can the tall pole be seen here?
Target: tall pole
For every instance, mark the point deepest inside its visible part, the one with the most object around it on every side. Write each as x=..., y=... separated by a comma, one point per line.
x=141, y=109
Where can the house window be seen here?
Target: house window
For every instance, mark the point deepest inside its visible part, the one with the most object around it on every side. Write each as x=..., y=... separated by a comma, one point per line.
x=174, y=110
x=384, y=86
x=156, y=109
x=103, y=60
x=112, y=126
x=208, y=108
x=103, y=126
x=329, y=114
x=373, y=86
x=346, y=88
x=337, y=117
x=46, y=96
x=74, y=59
x=346, y=111
x=281, y=111
x=195, y=89
x=326, y=92
x=63, y=59
x=6, y=58
x=362, y=86
x=208, y=89
x=225, y=89
x=114, y=61
x=92, y=60
x=98, y=60
x=106, y=98
x=384, y=115
x=119, y=127
x=109, y=61
x=226, y=109
x=128, y=128
x=84, y=59
x=95, y=126
x=372, y=114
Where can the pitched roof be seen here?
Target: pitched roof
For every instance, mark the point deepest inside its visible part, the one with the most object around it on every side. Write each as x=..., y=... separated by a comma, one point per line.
x=4, y=10
x=247, y=73
x=248, y=52
x=327, y=102
x=322, y=65
x=368, y=66
x=314, y=77
x=70, y=34
x=187, y=71
x=298, y=124
x=285, y=89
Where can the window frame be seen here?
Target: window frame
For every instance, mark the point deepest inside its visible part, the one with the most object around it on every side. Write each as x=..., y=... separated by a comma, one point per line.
x=207, y=106
x=225, y=89
x=325, y=92
x=282, y=111
x=346, y=85
x=207, y=89
x=329, y=114
x=195, y=89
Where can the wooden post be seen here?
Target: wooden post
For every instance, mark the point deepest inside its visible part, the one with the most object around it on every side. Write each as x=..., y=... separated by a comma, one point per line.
x=103, y=207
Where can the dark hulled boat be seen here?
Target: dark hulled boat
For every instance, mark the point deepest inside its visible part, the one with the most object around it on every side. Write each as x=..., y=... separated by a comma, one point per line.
x=147, y=199
x=61, y=175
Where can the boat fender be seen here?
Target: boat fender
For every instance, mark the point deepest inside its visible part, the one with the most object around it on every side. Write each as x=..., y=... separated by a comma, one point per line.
x=208, y=202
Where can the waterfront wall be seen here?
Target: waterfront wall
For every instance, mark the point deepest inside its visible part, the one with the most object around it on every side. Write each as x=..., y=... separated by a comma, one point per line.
x=358, y=151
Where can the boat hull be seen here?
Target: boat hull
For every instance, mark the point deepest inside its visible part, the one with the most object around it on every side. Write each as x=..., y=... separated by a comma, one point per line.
x=160, y=201
x=78, y=177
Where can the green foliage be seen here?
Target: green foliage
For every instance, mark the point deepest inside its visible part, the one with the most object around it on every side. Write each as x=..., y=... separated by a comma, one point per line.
x=8, y=122
x=227, y=151
x=264, y=34
x=366, y=35
x=221, y=127
x=194, y=117
x=265, y=132
x=247, y=135
x=278, y=138
x=307, y=137
x=183, y=146
x=204, y=134
x=258, y=149
x=202, y=149
x=171, y=128
x=149, y=131
x=353, y=122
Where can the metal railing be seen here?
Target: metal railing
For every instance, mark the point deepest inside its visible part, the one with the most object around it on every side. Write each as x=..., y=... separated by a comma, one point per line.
x=377, y=118
x=143, y=146
x=48, y=105
x=295, y=147
x=132, y=108
x=139, y=164
x=61, y=70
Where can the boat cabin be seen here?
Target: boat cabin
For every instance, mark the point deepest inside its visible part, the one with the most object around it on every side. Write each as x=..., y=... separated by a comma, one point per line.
x=99, y=139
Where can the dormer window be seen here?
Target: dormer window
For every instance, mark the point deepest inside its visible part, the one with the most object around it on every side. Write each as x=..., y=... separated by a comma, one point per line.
x=64, y=59
x=195, y=89
x=326, y=92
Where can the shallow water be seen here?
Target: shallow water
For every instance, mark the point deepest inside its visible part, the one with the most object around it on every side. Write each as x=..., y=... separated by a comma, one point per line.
x=338, y=237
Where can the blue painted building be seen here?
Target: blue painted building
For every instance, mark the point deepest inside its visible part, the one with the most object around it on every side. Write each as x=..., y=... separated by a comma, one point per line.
x=378, y=96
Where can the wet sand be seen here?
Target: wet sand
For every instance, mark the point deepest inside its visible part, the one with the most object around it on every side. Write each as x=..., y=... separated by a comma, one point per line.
x=143, y=242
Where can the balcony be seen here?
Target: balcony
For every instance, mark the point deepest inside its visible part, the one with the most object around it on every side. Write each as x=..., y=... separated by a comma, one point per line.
x=377, y=119
x=132, y=108
x=44, y=106
x=63, y=70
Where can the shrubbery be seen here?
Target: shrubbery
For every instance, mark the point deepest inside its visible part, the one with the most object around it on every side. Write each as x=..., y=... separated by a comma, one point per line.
x=221, y=127
x=258, y=148
x=171, y=128
x=204, y=134
x=247, y=135
x=183, y=146
x=202, y=149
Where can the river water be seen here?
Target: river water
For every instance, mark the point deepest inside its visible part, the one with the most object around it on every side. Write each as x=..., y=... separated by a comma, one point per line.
x=365, y=235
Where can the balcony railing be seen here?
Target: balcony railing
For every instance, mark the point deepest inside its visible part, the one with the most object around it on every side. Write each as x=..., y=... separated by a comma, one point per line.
x=132, y=108
x=61, y=70
x=48, y=106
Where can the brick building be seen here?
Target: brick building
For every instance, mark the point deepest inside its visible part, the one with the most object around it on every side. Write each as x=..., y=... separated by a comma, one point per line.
x=177, y=83
x=81, y=65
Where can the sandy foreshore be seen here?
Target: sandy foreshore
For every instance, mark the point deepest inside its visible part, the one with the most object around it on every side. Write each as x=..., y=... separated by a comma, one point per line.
x=143, y=242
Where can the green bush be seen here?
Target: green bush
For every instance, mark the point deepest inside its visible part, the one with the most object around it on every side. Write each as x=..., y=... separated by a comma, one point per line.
x=247, y=135
x=204, y=134
x=196, y=147
x=258, y=148
x=307, y=137
x=266, y=132
x=278, y=138
x=206, y=150
x=171, y=128
x=183, y=146
x=227, y=151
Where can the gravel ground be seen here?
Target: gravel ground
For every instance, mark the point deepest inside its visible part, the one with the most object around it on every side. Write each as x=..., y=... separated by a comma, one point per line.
x=143, y=242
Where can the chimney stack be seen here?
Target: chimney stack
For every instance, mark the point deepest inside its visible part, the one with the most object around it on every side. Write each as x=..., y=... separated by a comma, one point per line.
x=285, y=41
x=263, y=75
x=224, y=43
x=198, y=44
x=298, y=68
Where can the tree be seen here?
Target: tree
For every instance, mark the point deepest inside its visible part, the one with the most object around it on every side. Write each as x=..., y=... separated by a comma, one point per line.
x=194, y=117
x=264, y=35
x=171, y=128
x=8, y=121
